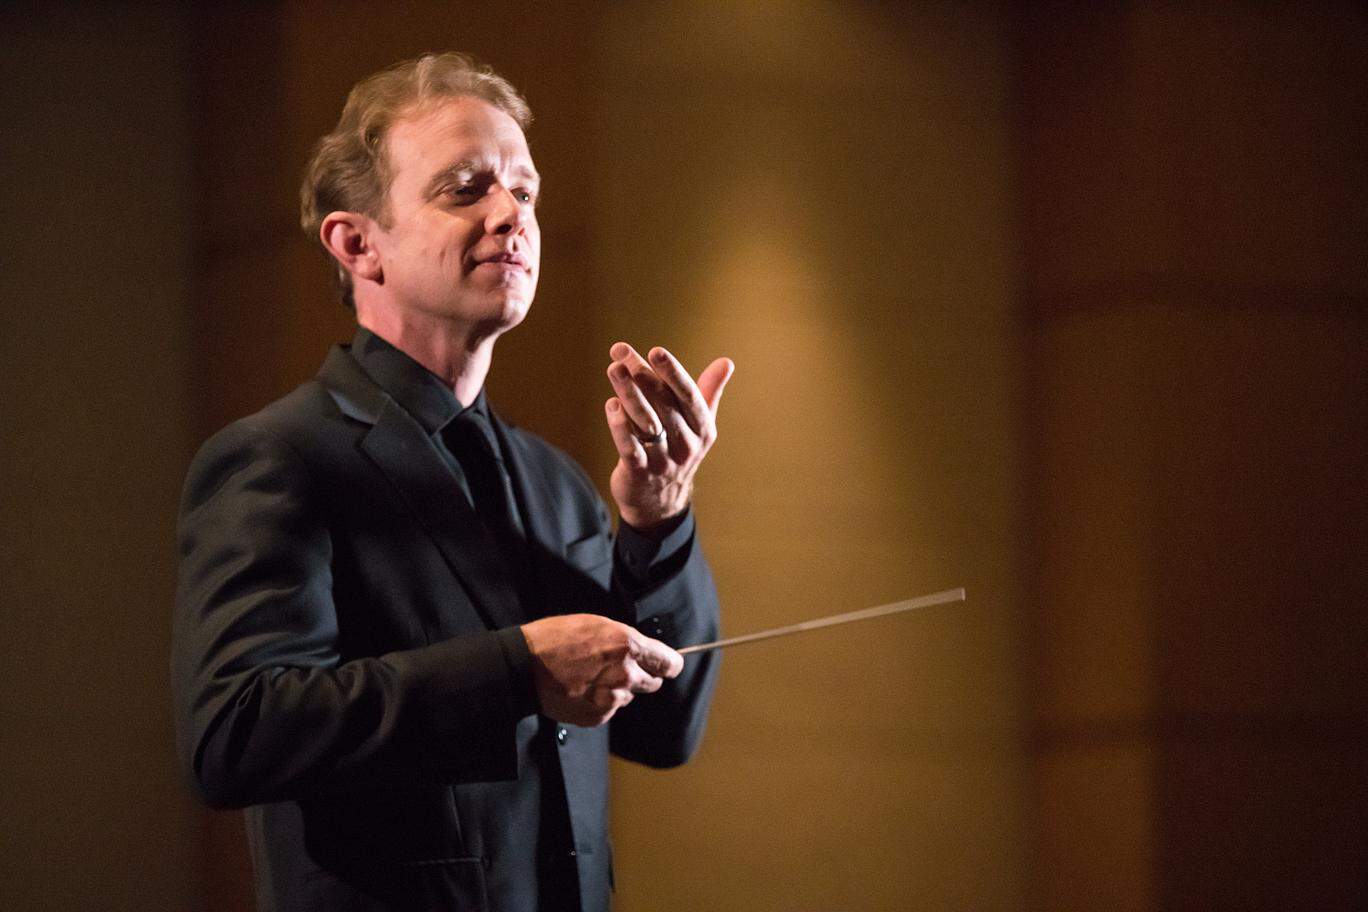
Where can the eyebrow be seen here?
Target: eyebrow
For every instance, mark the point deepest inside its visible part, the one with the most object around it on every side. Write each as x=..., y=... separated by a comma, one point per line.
x=452, y=171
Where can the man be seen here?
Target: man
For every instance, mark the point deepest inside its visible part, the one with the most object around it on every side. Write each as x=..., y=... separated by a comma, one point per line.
x=406, y=639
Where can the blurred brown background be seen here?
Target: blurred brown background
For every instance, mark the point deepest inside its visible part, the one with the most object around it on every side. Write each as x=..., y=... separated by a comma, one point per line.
x=1061, y=303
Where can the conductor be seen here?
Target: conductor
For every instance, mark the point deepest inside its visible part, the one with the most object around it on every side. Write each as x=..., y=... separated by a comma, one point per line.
x=406, y=636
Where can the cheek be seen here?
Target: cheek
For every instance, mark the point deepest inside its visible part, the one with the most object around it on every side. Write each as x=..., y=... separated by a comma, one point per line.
x=419, y=250
x=449, y=249
x=533, y=232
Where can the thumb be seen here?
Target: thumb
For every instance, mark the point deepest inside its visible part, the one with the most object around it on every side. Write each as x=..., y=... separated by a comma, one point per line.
x=656, y=658
x=714, y=379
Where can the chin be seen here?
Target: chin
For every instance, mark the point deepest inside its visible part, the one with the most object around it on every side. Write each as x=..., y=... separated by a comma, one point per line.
x=516, y=306
x=507, y=312
x=515, y=315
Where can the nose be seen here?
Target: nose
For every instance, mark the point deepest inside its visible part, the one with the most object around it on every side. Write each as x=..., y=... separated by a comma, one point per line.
x=506, y=213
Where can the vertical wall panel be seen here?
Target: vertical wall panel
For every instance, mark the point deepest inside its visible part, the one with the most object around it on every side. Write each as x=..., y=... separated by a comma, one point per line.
x=95, y=236
x=824, y=194
x=1196, y=290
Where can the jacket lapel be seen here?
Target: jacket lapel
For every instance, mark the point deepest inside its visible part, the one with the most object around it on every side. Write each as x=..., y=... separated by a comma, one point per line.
x=402, y=450
x=560, y=589
x=535, y=497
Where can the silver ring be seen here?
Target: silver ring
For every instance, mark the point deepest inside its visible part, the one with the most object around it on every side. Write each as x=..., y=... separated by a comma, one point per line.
x=656, y=440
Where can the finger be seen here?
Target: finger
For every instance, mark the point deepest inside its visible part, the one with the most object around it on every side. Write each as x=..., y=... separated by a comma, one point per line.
x=663, y=401
x=682, y=437
x=713, y=381
x=639, y=681
x=628, y=445
x=612, y=692
x=623, y=352
x=657, y=392
x=633, y=399
x=602, y=704
x=681, y=442
x=655, y=657
x=686, y=433
x=692, y=405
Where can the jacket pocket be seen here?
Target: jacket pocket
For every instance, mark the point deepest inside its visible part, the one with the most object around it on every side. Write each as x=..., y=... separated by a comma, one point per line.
x=593, y=554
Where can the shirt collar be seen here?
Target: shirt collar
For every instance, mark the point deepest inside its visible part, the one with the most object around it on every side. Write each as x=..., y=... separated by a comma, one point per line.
x=418, y=390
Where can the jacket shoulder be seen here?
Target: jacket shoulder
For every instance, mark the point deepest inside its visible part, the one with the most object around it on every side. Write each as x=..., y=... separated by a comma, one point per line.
x=295, y=418
x=293, y=434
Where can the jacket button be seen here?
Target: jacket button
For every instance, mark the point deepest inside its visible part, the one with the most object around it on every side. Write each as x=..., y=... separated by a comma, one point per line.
x=561, y=735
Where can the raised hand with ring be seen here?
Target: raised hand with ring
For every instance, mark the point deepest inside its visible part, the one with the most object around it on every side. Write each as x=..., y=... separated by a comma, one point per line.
x=663, y=424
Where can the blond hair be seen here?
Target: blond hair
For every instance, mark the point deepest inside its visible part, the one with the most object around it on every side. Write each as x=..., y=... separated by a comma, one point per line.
x=349, y=170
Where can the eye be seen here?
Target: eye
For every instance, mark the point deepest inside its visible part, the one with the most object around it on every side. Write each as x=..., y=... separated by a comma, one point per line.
x=523, y=196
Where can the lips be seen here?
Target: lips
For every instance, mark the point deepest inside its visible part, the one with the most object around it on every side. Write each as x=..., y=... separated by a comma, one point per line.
x=505, y=258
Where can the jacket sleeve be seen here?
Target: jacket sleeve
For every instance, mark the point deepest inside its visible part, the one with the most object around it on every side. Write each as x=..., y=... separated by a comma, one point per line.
x=675, y=601
x=265, y=707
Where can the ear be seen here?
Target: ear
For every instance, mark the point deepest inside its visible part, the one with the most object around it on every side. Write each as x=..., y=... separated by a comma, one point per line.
x=349, y=237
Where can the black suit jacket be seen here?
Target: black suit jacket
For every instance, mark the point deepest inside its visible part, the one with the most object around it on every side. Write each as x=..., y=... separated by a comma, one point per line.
x=347, y=663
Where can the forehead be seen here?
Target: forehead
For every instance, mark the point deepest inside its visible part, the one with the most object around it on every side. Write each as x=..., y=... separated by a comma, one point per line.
x=450, y=131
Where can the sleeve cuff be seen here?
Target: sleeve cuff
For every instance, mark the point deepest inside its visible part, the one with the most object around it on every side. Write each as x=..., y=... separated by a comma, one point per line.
x=519, y=660
x=640, y=557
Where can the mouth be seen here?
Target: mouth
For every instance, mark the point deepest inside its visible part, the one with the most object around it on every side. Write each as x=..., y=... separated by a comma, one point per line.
x=505, y=260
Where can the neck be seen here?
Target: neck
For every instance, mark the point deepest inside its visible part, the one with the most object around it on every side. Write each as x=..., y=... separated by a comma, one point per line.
x=458, y=353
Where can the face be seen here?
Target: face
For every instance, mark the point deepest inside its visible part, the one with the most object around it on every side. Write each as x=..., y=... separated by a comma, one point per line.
x=462, y=242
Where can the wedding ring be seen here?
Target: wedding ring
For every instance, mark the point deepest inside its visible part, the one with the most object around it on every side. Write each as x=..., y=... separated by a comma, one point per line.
x=655, y=440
